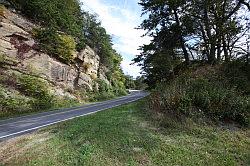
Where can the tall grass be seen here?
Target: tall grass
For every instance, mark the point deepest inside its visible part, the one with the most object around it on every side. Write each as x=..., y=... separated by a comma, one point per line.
x=220, y=96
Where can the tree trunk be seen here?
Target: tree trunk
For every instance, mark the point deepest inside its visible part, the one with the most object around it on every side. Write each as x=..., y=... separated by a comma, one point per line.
x=184, y=49
x=219, y=50
x=227, y=59
x=247, y=58
x=211, y=39
x=211, y=57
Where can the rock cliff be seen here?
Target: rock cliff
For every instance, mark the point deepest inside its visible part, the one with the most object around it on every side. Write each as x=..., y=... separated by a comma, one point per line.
x=21, y=54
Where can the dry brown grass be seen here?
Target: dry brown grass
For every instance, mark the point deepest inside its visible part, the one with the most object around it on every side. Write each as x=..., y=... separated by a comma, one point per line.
x=16, y=147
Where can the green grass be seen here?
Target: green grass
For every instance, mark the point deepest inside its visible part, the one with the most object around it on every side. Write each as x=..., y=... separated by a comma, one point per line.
x=127, y=135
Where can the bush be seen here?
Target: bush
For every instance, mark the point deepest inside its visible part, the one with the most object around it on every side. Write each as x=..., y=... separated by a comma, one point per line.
x=11, y=104
x=60, y=46
x=62, y=102
x=189, y=97
x=103, y=86
x=105, y=91
x=36, y=88
x=238, y=75
x=100, y=96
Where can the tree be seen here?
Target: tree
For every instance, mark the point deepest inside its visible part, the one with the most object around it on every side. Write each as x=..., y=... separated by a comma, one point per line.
x=218, y=26
x=208, y=30
x=166, y=16
x=129, y=82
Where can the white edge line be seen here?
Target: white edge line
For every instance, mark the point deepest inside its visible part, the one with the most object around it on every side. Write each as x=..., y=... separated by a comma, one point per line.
x=34, y=128
x=62, y=112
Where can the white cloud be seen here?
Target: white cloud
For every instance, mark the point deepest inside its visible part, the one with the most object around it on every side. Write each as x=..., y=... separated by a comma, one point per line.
x=132, y=70
x=120, y=23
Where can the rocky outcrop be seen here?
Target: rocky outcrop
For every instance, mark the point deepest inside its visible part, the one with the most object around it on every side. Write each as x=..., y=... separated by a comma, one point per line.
x=17, y=44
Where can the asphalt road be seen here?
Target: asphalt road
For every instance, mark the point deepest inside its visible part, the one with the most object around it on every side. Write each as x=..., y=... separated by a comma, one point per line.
x=17, y=126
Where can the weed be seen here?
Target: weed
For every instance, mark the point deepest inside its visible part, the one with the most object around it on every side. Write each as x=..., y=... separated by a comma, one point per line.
x=128, y=135
x=219, y=97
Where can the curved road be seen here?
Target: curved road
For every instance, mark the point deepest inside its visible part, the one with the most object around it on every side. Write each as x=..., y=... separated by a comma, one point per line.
x=21, y=125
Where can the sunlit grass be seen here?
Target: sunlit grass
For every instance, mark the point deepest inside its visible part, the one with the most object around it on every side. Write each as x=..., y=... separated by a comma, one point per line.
x=128, y=136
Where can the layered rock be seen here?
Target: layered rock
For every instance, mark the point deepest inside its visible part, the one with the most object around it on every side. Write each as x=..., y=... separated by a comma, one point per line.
x=18, y=45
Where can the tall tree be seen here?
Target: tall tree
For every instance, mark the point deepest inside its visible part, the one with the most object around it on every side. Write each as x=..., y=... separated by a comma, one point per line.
x=210, y=30
x=163, y=16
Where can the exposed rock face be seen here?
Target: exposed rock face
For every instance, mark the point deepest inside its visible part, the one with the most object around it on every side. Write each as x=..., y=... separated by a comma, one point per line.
x=16, y=43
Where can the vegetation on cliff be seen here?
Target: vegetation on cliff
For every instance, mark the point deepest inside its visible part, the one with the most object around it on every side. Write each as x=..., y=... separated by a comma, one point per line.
x=22, y=94
x=64, y=30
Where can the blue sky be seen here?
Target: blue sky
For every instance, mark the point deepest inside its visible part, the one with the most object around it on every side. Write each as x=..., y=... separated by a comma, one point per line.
x=120, y=18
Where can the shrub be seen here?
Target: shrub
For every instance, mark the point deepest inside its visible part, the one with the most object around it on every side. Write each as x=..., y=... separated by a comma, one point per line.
x=103, y=86
x=100, y=96
x=238, y=75
x=36, y=88
x=7, y=61
x=12, y=103
x=60, y=46
x=191, y=97
x=62, y=102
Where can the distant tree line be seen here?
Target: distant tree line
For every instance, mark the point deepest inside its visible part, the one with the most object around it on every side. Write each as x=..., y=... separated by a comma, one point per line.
x=137, y=84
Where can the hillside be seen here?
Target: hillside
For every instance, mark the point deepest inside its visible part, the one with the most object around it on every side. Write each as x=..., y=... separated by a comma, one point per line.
x=218, y=94
x=197, y=62
x=50, y=65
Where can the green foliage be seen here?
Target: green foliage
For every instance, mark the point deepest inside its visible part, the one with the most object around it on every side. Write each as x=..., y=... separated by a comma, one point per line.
x=36, y=88
x=207, y=31
x=103, y=86
x=11, y=103
x=190, y=95
x=61, y=15
x=65, y=29
x=7, y=61
x=129, y=82
x=127, y=135
x=64, y=102
x=100, y=96
x=97, y=38
x=140, y=83
x=238, y=74
x=32, y=96
x=59, y=45
x=105, y=91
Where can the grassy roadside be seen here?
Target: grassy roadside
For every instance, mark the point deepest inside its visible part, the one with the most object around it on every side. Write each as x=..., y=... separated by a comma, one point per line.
x=127, y=136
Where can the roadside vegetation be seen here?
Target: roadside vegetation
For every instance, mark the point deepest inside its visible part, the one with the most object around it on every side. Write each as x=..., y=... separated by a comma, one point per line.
x=219, y=93
x=22, y=94
x=198, y=70
x=64, y=29
x=197, y=64
x=129, y=135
